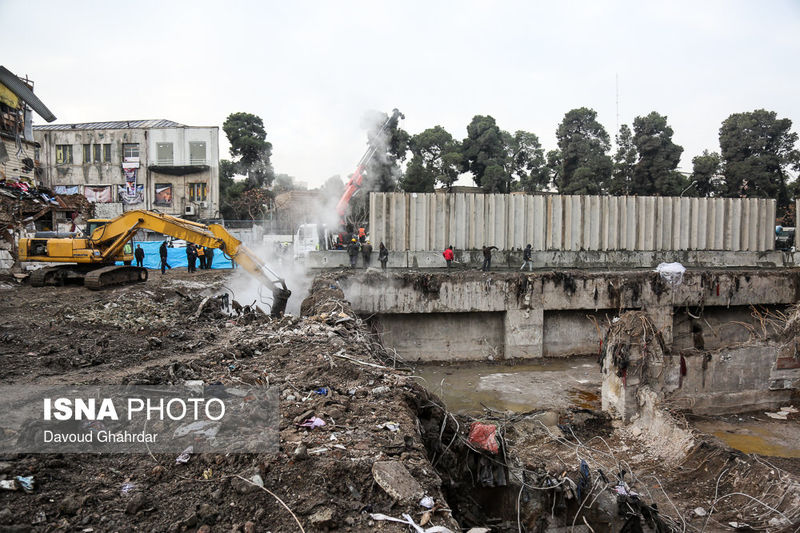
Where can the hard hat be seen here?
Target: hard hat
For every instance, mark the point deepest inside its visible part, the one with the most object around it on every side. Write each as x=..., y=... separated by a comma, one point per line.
x=353, y=240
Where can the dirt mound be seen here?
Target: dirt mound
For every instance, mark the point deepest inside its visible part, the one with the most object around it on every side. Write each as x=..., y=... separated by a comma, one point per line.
x=323, y=366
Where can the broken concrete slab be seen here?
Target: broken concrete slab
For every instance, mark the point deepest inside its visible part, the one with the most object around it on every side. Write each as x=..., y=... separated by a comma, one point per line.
x=394, y=478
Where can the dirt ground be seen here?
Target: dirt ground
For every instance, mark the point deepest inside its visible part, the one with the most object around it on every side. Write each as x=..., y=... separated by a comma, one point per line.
x=152, y=333
x=149, y=334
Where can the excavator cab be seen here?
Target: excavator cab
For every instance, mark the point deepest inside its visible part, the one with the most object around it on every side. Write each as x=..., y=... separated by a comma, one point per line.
x=95, y=223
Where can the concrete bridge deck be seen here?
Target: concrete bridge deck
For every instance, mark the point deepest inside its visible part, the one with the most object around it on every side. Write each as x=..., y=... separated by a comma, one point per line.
x=472, y=315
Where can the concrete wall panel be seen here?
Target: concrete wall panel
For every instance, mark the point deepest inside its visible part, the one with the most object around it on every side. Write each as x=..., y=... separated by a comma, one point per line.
x=432, y=221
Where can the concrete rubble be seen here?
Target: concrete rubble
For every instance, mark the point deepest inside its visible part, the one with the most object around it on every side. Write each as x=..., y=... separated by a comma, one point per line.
x=362, y=445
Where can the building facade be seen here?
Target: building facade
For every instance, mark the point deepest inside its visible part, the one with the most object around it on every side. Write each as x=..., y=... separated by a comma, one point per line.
x=139, y=164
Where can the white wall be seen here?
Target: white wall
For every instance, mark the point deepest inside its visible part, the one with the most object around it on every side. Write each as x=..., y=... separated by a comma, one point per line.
x=432, y=221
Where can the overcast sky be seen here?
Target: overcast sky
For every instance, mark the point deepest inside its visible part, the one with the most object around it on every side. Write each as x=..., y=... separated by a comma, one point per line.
x=312, y=70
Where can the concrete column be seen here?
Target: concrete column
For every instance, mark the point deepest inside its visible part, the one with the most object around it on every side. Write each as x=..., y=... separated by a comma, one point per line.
x=719, y=224
x=711, y=214
x=480, y=220
x=592, y=224
x=539, y=223
x=524, y=331
x=735, y=224
x=462, y=220
x=555, y=226
x=663, y=223
x=752, y=228
x=694, y=228
x=662, y=318
x=631, y=222
x=622, y=223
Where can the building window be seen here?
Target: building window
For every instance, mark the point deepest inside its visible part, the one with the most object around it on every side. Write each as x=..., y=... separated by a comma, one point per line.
x=164, y=153
x=130, y=151
x=63, y=154
x=197, y=192
x=107, y=153
x=87, y=153
x=197, y=153
x=96, y=158
x=36, y=153
x=163, y=194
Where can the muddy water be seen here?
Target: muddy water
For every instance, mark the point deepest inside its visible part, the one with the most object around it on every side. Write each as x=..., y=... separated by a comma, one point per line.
x=544, y=384
x=749, y=434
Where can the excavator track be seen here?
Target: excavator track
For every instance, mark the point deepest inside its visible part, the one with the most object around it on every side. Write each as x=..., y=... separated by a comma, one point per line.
x=114, y=275
x=55, y=275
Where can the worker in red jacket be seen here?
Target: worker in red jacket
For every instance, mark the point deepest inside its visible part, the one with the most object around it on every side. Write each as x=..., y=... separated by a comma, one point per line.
x=448, y=255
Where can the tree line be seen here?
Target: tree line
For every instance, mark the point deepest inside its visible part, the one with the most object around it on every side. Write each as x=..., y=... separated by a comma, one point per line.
x=756, y=151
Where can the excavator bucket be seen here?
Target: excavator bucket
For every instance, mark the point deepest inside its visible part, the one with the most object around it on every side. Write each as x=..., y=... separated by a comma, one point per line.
x=280, y=297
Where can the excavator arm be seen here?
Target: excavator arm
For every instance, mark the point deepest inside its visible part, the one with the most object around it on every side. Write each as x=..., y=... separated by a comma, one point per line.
x=357, y=179
x=113, y=236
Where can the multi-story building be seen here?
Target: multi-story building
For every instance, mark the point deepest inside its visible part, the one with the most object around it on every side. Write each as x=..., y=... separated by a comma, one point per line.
x=137, y=164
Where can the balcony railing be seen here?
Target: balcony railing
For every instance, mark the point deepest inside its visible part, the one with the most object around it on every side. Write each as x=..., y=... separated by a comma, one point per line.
x=174, y=163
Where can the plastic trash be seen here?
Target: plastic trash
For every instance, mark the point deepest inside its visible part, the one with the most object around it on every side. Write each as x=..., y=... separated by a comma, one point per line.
x=8, y=484
x=313, y=422
x=322, y=391
x=409, y=521
x=391, y=426
x=672, y=273
x=426, y=502
x=484, y=436
x=183, y=458
x=26, y=482
x=127, y=488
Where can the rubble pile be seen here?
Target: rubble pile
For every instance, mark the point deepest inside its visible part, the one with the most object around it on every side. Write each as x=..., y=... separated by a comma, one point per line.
x=22, y=205
x=350, y=455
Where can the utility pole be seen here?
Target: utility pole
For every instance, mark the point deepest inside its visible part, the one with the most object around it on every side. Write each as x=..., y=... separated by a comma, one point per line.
x=616, y=76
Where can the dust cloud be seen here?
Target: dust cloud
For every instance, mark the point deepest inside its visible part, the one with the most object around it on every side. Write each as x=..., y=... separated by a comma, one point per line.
x=247, y=290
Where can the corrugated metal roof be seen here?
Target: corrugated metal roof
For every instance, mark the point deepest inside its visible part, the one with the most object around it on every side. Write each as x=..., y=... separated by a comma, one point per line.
x=113, y=125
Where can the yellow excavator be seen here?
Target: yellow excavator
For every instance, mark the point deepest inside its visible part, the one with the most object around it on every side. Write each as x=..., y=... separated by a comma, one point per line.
x=92, y=258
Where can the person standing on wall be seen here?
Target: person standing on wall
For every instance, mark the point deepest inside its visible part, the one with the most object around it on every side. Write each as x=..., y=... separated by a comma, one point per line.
x=352, y=251
x=209, y=257
x=526, y=258
x=448, y=255
x=139, y=256
x=366, y=253
x=487, y=257
x=383, y=256
x=162, y=252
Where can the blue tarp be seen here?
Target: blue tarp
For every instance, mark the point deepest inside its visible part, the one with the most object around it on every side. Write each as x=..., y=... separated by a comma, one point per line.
x=176, y=257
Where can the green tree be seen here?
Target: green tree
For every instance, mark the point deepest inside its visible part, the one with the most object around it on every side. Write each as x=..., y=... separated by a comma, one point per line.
x=484, y=148
x=624, y=161
x=705, y=171
x=583, y=144
x=230, y=190
x=417, y=178
x=248, y=140
x=554, y=166
x=435, y=158
x=756, y=150
x=525, y=165
x=391, y=148
x=656, y=171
